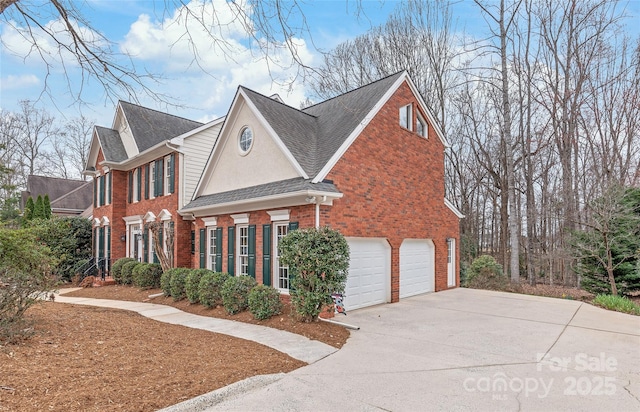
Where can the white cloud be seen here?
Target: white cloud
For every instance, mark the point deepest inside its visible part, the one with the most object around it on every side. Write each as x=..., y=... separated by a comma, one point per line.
x=204, y=73
x=12, y=82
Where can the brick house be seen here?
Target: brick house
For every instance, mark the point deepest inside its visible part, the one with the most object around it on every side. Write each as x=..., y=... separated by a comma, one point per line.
x=369, y=163
x=145, y=168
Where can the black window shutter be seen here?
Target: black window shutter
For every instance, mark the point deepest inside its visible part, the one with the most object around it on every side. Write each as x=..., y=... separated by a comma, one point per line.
x=266, y=254
x=252, y=251
x=292, y=226
x=102, y=179
x=101, y=242
x=159, y=174
x=219, y=249
x=231, y=250
x=110, y=191
x=203, y=248
x=193, y=242
x=172, y=174
x=130, y=186
x=145, y=245
x=146, y=181
x=139, y=184
x=95, y=192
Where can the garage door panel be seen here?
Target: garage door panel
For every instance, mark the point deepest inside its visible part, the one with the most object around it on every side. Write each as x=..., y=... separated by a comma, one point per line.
x=369, y=272
x=417, y=267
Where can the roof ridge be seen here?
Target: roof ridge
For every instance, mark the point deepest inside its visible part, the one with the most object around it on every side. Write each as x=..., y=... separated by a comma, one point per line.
x=59, y=178
x=356, y=89
x=72, y=191
x=278, y=102
x=158, y=111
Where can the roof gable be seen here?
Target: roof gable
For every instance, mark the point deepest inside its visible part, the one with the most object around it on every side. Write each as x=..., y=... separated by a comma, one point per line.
x=267, y=160
x=150, y=127
x=63, y=193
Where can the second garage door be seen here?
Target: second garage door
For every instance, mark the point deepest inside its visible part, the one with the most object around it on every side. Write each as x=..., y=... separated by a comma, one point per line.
x=369, y=280
x=417, y=267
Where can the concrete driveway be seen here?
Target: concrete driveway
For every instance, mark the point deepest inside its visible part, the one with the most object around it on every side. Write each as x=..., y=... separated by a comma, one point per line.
x=466, y=350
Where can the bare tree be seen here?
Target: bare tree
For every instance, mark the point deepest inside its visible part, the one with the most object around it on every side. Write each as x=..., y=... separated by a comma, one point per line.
x=272, y=26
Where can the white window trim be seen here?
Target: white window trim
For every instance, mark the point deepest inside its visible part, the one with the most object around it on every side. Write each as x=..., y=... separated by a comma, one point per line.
x=164, y=215
x=240, y=219
x=152, y=180
x=149, y=217
x=407, y=108
x=210, y=258
x=253, y=138
x=451, y=262
x=210, y=221
x=136, y=187
x=238, y=255
x=276, y=258
x=130, y=221
x=279, y=215
x=425, y=126
x=167, y=159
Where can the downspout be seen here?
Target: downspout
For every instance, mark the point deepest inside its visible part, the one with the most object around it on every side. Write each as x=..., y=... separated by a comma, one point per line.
x=317, y=213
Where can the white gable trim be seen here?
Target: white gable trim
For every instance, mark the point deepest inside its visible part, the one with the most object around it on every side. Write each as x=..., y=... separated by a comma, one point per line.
x=132, y=220
x=149, y=217
x=453, y=208
x=94, y=149
x=374, y=111
x=130, y=145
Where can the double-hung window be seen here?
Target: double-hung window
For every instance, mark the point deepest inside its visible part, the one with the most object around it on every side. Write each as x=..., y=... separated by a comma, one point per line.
x=281, y=271
x=421, y=126
x=213, y=249
x=406, y=117
x=243, y=250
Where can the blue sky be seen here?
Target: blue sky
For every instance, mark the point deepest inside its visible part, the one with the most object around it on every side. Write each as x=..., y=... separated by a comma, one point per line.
x=146, y=30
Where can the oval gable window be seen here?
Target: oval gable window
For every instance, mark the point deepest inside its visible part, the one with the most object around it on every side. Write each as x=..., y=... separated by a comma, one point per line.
x=246, y=140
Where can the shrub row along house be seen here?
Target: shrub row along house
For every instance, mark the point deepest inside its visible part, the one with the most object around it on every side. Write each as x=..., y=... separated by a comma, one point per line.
x=369, y=163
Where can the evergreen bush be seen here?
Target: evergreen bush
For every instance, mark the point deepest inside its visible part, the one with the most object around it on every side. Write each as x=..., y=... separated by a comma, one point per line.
x=210, y=288
x=235, y=293
x=264, y=302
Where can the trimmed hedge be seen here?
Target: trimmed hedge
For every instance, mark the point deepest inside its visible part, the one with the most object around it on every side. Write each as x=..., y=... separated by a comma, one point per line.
x=127, y=272
x=177, y=283
x=210, y=288
x=264, y=302
x=192, y=284
x=147, y=275
x=235, y=293
x=116, y=269
x=165, y=279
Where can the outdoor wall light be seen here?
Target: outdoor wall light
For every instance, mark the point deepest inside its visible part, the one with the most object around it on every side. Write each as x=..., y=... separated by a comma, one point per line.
x=123, y=238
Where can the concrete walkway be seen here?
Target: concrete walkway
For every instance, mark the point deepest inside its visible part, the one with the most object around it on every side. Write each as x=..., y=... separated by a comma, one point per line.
x=461, y=350
x=296, y=346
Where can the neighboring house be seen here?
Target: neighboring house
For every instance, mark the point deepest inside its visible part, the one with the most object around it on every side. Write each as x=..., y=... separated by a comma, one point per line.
x=68, y=197
x=369, y=163
x=145, y=168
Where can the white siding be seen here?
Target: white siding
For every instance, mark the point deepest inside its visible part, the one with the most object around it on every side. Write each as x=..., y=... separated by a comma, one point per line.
x=196, y=149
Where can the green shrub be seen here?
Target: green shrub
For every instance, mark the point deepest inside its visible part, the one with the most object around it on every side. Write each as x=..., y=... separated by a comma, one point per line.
x=617, y=303
x=264, y=302
x=116, y=268
x=177, y=283
x=318, y=261
x=127, y=272
x=192, y=284
x=210, y=288
x=235, y=293
x=165, y=279
x=147, y=275
x=486, y=273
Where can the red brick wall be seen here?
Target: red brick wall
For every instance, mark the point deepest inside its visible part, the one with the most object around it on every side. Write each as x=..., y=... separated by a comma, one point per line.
x=393, y=185
x=304, y=215
x=120, y=208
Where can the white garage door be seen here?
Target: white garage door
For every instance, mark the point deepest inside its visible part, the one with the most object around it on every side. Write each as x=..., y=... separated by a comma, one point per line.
x=417, y=267
x=369, y=280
